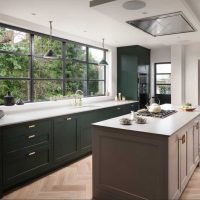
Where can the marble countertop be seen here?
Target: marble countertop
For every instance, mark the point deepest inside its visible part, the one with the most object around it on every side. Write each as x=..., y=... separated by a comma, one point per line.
x=166, y=126
x=31, y=114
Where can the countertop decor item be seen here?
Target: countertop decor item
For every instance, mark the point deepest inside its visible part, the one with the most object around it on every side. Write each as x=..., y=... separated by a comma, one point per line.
x=125, y=121
x=140, y=120
x=9, y=99
x=19, y=102
x=187, y=107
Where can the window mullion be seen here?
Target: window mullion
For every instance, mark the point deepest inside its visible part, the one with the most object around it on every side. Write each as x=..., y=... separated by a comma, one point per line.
x=31, y=86
x=64, y=67
x=87, y=70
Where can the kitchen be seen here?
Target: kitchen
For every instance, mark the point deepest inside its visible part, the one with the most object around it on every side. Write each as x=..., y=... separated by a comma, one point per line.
x=48, y=133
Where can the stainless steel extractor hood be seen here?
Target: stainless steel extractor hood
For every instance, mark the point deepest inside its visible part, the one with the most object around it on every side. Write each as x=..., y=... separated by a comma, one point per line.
x=99, y=2
x=166, y=24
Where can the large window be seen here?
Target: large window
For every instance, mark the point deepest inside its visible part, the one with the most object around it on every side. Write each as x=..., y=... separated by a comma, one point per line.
x=163, y=82
x=29, y=76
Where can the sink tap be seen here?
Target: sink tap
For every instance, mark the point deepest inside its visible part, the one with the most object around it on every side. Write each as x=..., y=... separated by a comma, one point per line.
x=78, y=96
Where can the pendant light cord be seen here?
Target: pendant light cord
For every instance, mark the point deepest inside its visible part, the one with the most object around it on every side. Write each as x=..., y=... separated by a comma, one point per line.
x=50, y=37
x=103, y=43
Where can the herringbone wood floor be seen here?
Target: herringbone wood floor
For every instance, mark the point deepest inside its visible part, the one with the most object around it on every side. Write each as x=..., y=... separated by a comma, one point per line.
x=74, y=182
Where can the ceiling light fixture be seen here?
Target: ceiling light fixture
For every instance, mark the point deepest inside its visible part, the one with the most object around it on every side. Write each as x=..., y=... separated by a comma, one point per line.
x=134, y=5
x=50, y=54
x=103, y=62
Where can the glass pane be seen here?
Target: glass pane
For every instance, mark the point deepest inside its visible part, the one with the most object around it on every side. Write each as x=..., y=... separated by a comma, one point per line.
x=72, y=86
x=96, y=72
x=163, y=89
x=163, y=79
x=95, y=55
x=76, y=70
x=14, y=66
x=163, y=68
x=47, y=68
x=14, y=41
x=45, y=90
x=18, y=88
x=95, y=88
x=43, y=44
x=76, y=51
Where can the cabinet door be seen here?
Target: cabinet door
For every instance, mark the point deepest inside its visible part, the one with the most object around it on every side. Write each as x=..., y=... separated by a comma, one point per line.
x=182, y=160
x=84, y=125
x=190, y=150
x=65, y=138
x=196, y=142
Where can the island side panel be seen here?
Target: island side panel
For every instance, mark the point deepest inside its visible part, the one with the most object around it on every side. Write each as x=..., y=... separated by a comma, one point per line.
x=129, y=165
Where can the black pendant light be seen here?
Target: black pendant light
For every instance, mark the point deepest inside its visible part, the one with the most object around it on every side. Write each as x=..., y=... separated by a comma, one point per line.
x=50, y=54
x=103, y=62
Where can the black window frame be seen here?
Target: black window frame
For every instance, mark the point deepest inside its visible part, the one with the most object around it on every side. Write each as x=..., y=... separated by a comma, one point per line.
x=63, y=60
x=155, y=77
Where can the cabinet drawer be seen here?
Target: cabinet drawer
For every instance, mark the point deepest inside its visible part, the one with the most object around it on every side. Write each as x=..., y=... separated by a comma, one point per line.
x=24, y=135
x=18, y=164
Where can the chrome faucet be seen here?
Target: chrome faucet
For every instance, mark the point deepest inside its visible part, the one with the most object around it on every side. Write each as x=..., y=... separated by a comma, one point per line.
x=78, y=98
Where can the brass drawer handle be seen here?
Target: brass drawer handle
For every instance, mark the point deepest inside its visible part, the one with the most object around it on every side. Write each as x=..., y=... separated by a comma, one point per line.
x=69, y=118
x=197, y=125
x=118, y=108
x=31, y=136
x=32, y=126
x=182, y=139
x=32, y=153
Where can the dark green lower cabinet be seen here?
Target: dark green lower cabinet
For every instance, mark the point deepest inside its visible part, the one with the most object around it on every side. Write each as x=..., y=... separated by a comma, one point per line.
x=65, y=138
x=25, y=163
x=34, y=148
x=84, y=126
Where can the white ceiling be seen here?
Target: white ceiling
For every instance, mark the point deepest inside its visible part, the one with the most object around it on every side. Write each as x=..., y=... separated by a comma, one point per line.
x=104, y=21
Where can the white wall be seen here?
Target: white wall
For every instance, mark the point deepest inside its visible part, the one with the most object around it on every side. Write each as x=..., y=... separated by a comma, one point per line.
x=177, y=74
x=192, y=55
x=111, y=78
x=158, y=55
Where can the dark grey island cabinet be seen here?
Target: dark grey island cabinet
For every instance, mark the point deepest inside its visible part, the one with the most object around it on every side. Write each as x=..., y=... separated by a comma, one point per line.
x=28, y=150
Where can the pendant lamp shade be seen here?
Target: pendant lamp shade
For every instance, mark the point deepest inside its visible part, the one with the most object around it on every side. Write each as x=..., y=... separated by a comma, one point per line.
x=50, y=54
x=103, y=62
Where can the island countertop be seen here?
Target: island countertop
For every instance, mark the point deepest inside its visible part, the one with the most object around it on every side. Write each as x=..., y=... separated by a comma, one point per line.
x=165, y=127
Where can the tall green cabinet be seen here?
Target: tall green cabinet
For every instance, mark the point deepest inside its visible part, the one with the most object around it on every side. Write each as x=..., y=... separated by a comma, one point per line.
x=133, y=73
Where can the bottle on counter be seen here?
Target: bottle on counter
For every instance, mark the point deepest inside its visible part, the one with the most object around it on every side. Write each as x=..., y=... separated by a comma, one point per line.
x=119, y=96
x=9, y=100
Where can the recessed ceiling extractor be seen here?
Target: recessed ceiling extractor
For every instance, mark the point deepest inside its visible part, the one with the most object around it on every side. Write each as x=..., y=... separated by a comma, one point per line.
x=166, y=24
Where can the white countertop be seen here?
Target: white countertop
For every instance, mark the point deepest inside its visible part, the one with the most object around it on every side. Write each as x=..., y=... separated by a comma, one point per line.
x=33, y=113
x=166, y=126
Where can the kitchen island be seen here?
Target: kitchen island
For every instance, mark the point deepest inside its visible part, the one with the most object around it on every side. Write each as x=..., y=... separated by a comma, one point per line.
x=145, y=161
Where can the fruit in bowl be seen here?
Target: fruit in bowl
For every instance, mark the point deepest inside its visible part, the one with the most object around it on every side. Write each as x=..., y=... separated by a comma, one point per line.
x=187, y=107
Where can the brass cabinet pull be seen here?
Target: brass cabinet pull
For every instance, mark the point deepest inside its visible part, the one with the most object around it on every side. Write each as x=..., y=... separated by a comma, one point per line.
x=69, y=118
x=32, y=126
x=118, y=108
x=197, y=125
x=32, y=153
x=31, y=136
x=182, y=139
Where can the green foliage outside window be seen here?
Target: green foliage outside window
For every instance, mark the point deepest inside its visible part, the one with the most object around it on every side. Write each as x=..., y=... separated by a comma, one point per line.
x=17, y=61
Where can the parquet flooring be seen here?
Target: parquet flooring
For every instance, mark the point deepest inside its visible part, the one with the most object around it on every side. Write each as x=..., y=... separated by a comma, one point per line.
x=192, y=191
x=74, y=182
